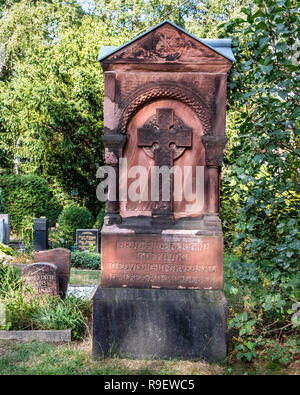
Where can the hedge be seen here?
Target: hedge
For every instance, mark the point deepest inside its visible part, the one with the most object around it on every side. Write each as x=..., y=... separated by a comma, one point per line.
x=24, y=197
x=85, y=260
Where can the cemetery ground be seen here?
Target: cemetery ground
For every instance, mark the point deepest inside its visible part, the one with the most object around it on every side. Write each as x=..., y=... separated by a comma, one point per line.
x=39, y=358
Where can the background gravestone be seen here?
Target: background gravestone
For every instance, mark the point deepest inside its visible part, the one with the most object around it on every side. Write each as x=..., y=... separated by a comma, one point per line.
x=42, y=277
x=6, y=230
x=2, y=314
x=2, y=230
x=162, y=261
x=60, y=258
x=40, y=234
x=87, y=238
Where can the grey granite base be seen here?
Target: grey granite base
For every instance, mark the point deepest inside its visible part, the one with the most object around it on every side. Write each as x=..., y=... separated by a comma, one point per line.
x=49, y=336
x=160, y=323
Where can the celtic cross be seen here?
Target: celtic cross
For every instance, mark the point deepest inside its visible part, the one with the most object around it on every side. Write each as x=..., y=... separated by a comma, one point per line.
x=164, y=138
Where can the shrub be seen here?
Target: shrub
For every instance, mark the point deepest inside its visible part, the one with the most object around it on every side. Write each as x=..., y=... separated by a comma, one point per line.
x=54, y=209
x=27, y=197
x=87, y=260
x=2, y=207
x=24, y=197
x=6, y=249
x=9, y=279
x=74, y=217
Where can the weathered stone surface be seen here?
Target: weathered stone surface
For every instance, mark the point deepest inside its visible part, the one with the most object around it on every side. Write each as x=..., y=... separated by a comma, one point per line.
x=141, y=323
x=168, y=116
x=42, y=277
x=164, y=106
x=162, y=261
x=136, y=154
x=170, y=49
x=49, y=336
x=60, y=257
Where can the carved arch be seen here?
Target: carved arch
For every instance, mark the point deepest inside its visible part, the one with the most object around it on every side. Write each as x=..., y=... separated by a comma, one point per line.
x=135, y=102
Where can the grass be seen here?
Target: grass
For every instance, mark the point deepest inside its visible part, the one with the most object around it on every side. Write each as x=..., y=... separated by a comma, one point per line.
x=39, y=358
x=81, y=277
x=75, y=359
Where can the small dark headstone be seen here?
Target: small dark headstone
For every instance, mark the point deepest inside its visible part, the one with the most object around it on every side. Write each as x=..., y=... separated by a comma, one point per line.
x=40, y=234
x=87, y=240
x=4, y=231
x=42, y=277
x=2, y=315
x=60, y=258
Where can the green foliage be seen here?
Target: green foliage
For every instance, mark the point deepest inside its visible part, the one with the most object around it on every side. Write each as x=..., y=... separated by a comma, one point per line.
x=100, y=219
x=26, y=197
x=264, y=157
x=28, y=310
x=72, y=218
x=85, y=260
x=56, y=313
x=6, y=249
x=2, y=206
x=263, y=86
x=9, y=280
x=51, y=86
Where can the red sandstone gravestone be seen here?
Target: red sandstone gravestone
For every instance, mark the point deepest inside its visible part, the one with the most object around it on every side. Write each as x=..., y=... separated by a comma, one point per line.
x=60, y=257
x=164, y=105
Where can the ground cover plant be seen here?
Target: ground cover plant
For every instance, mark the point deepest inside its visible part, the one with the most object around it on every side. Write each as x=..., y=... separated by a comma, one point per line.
x=25, y=309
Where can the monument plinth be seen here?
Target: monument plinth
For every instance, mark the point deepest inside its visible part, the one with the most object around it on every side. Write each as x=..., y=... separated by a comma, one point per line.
x=162, y=241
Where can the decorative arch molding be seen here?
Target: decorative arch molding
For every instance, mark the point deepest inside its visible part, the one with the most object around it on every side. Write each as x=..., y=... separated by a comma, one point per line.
x=140, y=98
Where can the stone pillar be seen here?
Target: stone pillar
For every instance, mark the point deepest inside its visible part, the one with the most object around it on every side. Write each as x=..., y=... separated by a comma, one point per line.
x=214, y=147
x=113, y=144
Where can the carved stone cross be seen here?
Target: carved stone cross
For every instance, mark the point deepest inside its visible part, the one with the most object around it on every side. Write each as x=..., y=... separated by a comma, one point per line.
x=164, y=138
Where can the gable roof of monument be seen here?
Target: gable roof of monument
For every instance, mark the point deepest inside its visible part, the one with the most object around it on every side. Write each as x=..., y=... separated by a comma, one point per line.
x=221, y=46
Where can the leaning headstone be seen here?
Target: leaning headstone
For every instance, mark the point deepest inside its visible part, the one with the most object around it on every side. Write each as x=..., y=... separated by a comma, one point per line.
x=41, y=277
x=162, y=255
x=61, y=258
x=87, y=240
x=5, y=232
x=40, y=234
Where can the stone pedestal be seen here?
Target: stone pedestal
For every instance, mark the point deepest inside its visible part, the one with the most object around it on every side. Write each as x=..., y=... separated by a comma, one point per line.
x=186, y=254
x=160, y=323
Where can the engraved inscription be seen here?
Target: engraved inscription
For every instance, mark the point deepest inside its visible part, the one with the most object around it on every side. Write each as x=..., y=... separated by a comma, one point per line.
x=166, y=262
x=149, y=245
x=157, y=267
x=87, y=239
